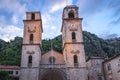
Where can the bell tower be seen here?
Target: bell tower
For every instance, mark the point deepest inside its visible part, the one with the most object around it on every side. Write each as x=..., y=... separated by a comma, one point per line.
x=73, y=45
x=31, y=48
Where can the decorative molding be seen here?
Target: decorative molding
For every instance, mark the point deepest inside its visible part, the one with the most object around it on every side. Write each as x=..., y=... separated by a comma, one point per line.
x=72, y=43
x=73, y=27
x=32, y=30
x=28, y=52
x=75, y=51
x=77, y=67
x=72, y=18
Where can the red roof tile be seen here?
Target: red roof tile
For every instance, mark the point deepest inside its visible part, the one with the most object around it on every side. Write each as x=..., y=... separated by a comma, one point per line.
x=9, y=67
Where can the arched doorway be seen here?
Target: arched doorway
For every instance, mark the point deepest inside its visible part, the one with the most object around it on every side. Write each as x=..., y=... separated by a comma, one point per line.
x=53, y=75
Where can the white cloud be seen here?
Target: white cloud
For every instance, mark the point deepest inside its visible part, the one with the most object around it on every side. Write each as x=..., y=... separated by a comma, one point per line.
x=46, y=19
x=9, y=32
x=2, y=20
x=16, y=10
x=49, y=26
x=14, y=19
x=53, y=28
x=60, y=4
x=15, y=7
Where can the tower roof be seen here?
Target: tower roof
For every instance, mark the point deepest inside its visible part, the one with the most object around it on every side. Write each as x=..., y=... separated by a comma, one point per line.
x=71, y=6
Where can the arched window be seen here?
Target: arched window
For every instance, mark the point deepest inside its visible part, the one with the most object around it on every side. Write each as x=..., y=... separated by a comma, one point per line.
x=52, y=59
x=33, y=16
x=75, y=60
x=73, y=36
x=71, y=14
x=29, y=60
x=31, y=38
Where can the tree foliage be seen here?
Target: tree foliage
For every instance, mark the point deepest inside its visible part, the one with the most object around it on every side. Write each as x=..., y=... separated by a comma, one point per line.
x=4, y=75
x=10, y=52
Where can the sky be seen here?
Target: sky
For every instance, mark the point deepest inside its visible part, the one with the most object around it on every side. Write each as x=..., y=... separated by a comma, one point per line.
x=101, y=17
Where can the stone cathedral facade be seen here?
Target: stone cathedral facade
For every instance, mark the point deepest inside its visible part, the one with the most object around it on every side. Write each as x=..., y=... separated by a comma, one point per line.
x=52, y=65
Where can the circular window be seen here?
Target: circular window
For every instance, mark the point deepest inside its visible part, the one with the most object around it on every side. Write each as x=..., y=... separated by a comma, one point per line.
x=52, y=59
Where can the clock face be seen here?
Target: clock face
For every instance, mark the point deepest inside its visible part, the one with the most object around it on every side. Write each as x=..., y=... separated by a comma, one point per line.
x=73, y=27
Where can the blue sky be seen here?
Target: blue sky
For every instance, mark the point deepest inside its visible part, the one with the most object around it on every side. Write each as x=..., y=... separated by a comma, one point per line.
x=101, y=17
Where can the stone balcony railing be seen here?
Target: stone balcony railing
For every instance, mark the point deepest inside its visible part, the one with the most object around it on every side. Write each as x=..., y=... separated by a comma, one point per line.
x=52, y=66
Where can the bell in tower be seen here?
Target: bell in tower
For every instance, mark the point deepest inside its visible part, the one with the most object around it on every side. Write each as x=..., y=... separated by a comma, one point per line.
x=70, y=12
x=31, y=50
x=73, y=45
x=72, y=25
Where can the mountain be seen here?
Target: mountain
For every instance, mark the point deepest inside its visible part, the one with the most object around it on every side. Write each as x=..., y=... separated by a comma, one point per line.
x=10, y=52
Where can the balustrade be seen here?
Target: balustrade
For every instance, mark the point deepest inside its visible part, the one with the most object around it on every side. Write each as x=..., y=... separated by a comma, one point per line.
x=52, y=65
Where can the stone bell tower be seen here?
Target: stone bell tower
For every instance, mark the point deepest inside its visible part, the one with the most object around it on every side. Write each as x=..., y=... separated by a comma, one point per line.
x=73, y=45
x=31, y=48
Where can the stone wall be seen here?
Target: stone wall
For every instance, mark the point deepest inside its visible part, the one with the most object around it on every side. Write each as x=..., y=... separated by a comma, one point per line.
x=113, y=73
x=95, y=68
x=45, y=59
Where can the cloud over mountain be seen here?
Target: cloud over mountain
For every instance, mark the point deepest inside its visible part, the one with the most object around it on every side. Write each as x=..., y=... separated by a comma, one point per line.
x=99, y=16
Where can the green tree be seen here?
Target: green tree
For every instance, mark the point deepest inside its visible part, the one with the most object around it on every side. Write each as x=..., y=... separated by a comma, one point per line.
x=4, y=75
x=10, y=52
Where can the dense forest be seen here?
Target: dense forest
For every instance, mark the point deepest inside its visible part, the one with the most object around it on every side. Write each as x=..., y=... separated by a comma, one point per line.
x=10, y=52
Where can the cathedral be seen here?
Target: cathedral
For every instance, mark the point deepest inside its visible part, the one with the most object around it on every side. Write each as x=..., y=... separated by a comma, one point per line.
x=52, y=65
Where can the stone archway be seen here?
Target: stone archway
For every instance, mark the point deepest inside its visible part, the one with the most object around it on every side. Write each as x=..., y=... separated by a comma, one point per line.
x=53, y=75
